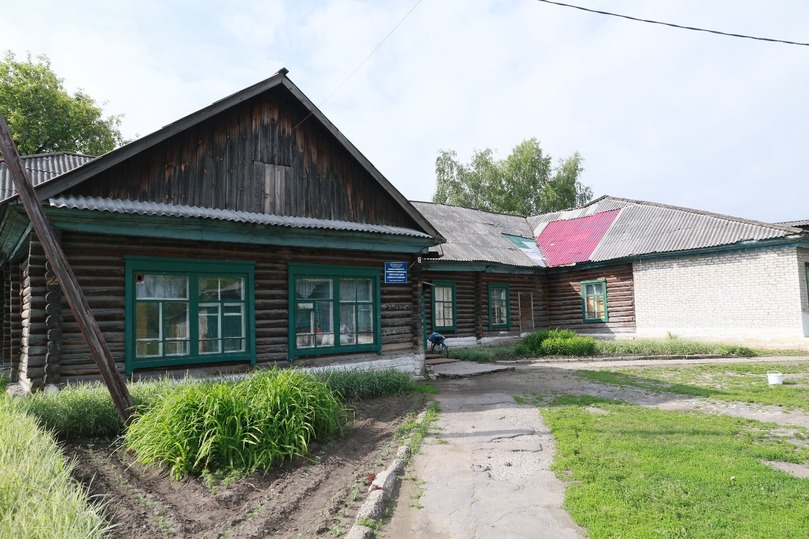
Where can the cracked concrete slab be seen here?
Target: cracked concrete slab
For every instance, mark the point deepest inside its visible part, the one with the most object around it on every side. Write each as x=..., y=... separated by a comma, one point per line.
x=481, y=469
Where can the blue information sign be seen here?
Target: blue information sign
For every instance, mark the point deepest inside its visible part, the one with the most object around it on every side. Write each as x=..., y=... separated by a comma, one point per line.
x=395, y=272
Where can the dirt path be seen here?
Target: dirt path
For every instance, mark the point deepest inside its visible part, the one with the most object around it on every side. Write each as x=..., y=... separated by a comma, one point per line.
x=472, y=480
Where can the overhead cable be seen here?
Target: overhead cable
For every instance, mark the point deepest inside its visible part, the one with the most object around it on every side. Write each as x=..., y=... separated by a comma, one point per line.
x=398, y=24
x=672, y=25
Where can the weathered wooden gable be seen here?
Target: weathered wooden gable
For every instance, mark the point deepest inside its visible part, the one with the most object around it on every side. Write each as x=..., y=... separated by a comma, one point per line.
x=267, y=154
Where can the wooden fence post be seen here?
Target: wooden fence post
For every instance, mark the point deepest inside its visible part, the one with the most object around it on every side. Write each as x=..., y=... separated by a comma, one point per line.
x=67, y=279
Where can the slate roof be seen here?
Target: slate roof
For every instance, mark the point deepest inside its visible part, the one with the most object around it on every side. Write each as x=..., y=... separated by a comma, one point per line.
x=173, y=210
x=797, y=224
x=41, y=168
x=478, y=236
x=644, y=228
x=608, y=228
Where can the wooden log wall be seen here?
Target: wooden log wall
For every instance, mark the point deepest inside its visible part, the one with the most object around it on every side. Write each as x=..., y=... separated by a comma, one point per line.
x=53, y=326
x=526, y=284
x=472, y=301
x=564, y=300
x=6, y=360
x=419, y=322
x=12, y=323
x=98, y=262
x=250, y=158
x=465, y=302
x=33, y=337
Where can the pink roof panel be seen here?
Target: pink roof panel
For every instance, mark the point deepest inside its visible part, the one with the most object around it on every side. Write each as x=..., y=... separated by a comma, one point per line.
x=574, y=240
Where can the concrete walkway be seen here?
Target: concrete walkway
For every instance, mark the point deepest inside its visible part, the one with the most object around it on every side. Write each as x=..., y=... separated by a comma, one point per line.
x=481, y=473
x=486, y=471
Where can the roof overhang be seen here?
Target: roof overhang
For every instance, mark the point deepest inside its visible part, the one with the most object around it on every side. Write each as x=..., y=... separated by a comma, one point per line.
x=259, y=232
x=479, y=267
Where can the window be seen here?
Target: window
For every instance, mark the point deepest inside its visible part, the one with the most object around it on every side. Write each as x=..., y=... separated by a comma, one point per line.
x=333, y=309
x=498, y=306
x=443, y=306
x=185, y=311
x=594, y=301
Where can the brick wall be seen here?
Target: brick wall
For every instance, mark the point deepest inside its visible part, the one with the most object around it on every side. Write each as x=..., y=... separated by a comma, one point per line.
x=755, y=294
x=803, y=262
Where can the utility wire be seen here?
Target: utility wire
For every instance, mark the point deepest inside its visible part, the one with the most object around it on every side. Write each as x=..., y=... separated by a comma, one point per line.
x=743, y=36
x=398, y=24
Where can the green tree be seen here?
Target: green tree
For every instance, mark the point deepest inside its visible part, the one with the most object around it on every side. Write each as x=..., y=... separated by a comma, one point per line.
x=524, y=183
x=43, y=117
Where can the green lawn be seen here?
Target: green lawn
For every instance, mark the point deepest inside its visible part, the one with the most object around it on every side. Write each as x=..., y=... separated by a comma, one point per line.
x=641, y=472
x=636, y=472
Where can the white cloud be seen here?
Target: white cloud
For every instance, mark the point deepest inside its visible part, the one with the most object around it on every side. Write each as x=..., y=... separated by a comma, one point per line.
x=661, y=114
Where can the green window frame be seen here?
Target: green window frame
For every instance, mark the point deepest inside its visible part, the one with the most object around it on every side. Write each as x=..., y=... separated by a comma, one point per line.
x=499, y=306
x=443, y=306
x=594, y=301
x=334, y=310
x=188, y=311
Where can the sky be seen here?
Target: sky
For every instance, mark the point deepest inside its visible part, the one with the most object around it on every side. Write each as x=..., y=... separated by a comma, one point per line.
x=672, y=116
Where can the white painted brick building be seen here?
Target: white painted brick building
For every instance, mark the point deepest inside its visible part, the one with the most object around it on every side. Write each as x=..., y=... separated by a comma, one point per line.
x=755, y=293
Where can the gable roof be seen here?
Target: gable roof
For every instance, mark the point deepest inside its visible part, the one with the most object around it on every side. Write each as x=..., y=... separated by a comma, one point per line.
x=55, y=185
x=479, y=236
x=644, y=228
x=41, y=168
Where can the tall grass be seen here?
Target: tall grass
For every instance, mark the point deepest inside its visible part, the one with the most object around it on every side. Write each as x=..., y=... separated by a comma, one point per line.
x=86, y=410
x=672, y=346
x=556, y=342
x=357, y=384
x=38, y=497
x=236, y=428
x=484, y=354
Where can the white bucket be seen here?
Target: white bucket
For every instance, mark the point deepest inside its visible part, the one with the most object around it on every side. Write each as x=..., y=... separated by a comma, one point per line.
x=775, y=378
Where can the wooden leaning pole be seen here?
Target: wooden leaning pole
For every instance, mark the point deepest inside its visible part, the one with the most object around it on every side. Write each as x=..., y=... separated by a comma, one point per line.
x=67, y=279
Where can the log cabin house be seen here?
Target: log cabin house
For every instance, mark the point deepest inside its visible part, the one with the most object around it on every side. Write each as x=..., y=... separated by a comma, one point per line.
x=251, y=232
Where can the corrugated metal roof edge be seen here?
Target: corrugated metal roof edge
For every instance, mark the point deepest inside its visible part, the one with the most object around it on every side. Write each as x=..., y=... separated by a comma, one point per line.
x=471, y=209
x=191, y=212
x=487, y=263
x=629, y=201
x=28, y=163
x=799, y=223
x=700, y=212
x=49, y=154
